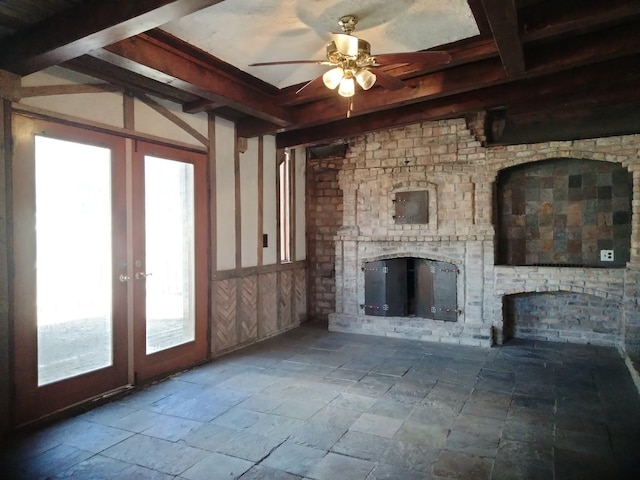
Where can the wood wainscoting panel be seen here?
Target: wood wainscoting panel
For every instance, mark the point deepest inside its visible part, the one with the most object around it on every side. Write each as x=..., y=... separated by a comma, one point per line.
x=285, y=314
x=299, y=295
x=248, y=309
x=225, y=315
x=268, y=314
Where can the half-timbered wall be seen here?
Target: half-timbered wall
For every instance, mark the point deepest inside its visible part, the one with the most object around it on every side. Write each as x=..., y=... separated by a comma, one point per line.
x=253, y=296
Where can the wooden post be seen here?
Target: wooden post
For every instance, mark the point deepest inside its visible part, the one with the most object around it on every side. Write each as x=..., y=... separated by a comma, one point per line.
x=5, y=255
x=9, y=86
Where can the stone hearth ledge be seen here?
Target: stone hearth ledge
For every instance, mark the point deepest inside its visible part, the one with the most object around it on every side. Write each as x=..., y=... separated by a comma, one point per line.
x=413, y=328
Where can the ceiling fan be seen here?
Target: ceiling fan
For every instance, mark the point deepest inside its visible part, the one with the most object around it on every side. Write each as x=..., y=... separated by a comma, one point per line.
x=353, y=63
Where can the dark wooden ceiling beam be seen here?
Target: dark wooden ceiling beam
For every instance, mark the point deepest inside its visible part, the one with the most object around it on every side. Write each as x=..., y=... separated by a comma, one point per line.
x=431, y=86
x=569, y=17
x=565, y=88
x=589, y=87
x=128, y=80
x=477, y=9
x=568, y=124
x=87, y=26
x=503, y=19
x=464, y=52
x=187, y=68
x=592, y=48
x=254, y=127
x=200, y=105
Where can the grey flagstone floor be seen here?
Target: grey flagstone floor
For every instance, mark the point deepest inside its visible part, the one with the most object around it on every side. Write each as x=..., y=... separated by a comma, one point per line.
x=327, y=406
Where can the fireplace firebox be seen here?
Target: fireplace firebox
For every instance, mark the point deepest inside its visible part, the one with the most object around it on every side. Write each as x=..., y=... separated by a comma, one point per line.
x=411, y=287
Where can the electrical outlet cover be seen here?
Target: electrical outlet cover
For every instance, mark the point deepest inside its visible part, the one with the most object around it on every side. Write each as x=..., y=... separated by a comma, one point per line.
x=606, y=255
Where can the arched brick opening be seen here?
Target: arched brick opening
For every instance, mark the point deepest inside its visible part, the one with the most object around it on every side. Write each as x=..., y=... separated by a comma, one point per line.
x=563, y=316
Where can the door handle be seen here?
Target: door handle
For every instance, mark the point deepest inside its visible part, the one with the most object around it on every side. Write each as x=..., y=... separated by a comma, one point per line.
x=124, y=278
x=141, y=275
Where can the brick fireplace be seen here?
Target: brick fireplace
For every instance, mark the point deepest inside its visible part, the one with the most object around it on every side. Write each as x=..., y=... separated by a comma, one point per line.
x=446, y=164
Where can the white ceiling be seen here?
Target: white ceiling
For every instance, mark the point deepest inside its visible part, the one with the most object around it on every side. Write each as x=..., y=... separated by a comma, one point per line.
x=243, y=32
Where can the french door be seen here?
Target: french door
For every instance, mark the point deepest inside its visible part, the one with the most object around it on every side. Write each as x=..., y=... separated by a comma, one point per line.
x=110, y=263
x=170, y=265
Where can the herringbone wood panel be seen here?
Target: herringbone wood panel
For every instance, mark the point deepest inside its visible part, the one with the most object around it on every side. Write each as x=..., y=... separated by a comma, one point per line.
x=284, y=312
x=300, y=295
x=268, y=314
x=225, y=314
x=248, y=317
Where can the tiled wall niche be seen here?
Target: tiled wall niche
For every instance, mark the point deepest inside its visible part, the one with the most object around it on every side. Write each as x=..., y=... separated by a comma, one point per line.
x=564, y=212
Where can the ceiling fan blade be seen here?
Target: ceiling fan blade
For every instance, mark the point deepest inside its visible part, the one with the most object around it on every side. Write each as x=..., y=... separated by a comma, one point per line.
x=388, y=81
x=425, y=58
x=315, y=83
x=289, y=62
x=346, y=44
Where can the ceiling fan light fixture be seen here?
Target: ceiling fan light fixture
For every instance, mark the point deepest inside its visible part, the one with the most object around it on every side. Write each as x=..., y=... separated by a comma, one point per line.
x=347, y=87
x=365, y=78
x=333, y=77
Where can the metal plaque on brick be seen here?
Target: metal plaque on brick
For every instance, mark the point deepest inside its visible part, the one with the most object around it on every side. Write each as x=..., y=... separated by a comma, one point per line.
x=411, y=207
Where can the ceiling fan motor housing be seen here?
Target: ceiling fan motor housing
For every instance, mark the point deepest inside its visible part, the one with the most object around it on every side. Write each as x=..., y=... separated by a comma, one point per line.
x=362, y=58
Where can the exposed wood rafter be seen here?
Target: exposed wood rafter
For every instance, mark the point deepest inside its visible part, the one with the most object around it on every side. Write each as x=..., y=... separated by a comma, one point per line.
x=503, y=19
x=551, y=94
x=584, y=50
x=88, y=26
x=185, y=68
x=574, y=59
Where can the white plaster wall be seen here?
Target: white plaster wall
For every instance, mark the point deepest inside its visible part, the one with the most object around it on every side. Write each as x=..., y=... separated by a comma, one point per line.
x=57, y=76
x=225, y=193
x=249, y=203
x=151, y=122
x=104, y=107
x=300, y=201
x=270, y=203
x=107, y=107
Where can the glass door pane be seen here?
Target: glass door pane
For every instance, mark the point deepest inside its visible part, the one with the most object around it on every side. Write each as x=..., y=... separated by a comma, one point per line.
x=169, y=253
x=73, y=258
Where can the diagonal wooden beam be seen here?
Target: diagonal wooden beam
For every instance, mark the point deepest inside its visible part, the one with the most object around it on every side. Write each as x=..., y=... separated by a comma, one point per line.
x=85, y=27
x=189, y=69
x=503, y=19
x=173, y=118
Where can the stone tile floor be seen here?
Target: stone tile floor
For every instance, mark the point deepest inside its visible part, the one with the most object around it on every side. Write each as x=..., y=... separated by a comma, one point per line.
x=325, y=406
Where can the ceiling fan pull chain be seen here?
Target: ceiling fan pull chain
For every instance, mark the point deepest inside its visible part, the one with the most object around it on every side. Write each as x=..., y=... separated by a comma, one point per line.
x=349, y=106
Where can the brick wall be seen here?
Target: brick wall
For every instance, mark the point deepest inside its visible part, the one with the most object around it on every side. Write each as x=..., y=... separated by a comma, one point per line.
x=324, y=217
x=448, y=160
